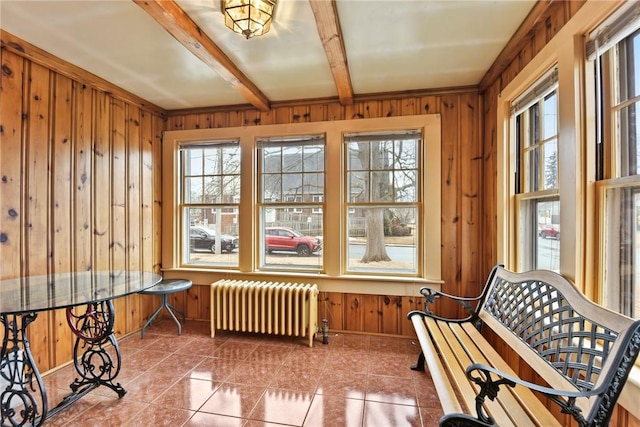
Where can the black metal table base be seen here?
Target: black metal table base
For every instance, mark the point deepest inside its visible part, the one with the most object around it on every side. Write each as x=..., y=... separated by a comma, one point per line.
x=170, y=309
x=23, y=396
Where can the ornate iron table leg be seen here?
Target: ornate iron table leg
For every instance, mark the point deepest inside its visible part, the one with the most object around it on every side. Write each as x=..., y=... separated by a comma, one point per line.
x=22, y=392
x=97, y=362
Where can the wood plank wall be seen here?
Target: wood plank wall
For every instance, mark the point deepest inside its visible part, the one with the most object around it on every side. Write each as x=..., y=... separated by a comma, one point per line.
x=461, y=196
x=79, y=166
x=554, y=18
x=79, y=171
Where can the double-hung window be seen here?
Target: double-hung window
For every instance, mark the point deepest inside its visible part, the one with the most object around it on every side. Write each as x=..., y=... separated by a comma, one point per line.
x=326, y=200
x=382, y=201
x=535, y=140
x=614, y=49
x=291, y=194
x=209, y=199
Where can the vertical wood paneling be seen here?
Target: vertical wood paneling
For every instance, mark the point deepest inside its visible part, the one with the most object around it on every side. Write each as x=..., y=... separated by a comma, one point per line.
x=119, y=201
x=236, y=119
x=37, y=181
x=471, y=202
x=38, y=171
x=263, y=117
x=134, y=184
x=147, y=203
x=57, y=167
x=220, y=120
x=331, y=307
x=62, y=173
x=156, y=189
x=102, y=179
x=134, y=214
x=429, y=105
x=62, y=190
x=409, y=304
x=371, y=313
x=252, y=117
x=489, y=224
x=353, y=316
x=451, y=217
x=409, y=107
x=192, y=301
x=317, y=112
x=300, y=114
x=82, y=141
x=390, y=314
x=11, y=166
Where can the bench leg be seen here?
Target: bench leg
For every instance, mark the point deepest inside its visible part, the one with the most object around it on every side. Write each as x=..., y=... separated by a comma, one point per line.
x=419, y=366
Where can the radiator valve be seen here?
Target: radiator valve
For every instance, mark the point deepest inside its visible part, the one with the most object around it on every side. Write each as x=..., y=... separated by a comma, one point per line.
x=325, y=331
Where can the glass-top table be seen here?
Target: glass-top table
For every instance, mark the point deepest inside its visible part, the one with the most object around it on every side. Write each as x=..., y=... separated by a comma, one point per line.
x=23, y=398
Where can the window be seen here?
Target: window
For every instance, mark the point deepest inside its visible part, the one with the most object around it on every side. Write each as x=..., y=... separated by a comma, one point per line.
x=292, y=189
x=209, y=198
x=535, y=123
x=382, y=198
x=617, y=74
x=288, y=226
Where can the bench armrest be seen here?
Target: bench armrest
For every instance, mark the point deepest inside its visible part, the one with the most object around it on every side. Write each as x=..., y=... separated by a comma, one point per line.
x=432, y=295
x=483, y=375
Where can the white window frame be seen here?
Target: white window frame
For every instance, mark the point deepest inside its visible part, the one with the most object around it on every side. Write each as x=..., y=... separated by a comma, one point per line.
x=528, y=184
x=332, y=278
x=614, y=174
x=214, y=206
x=579, y=259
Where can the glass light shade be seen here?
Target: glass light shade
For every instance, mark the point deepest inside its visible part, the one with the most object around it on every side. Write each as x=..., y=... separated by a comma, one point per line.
x=249, y=17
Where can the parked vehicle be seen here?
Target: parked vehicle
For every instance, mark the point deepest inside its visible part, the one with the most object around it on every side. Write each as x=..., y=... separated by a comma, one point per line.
x=288, y=239
x=201, y=238
x=550, y=230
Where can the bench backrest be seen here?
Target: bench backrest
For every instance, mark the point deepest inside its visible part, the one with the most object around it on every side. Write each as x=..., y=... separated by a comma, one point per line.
x=571, y=342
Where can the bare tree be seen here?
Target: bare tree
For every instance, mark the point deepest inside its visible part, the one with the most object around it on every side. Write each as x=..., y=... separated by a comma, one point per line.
x=383, y=171
x=377, y=187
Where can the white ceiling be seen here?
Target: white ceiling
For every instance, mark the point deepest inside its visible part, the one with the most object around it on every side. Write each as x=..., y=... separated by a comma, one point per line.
x=392, y=45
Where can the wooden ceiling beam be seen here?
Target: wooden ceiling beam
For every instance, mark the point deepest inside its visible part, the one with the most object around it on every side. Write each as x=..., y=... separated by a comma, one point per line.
x=328, y=24
x=177, y=23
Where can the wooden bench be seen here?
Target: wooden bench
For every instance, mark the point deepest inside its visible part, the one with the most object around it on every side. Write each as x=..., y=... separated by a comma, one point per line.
x=583, y=352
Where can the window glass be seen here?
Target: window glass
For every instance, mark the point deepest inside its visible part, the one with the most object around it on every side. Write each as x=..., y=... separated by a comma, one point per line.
x=382, y=199
x=622, y=228
x=618, y=75
x=547, y=244
x=292, y=195
x=536, y=142
x=210, y=195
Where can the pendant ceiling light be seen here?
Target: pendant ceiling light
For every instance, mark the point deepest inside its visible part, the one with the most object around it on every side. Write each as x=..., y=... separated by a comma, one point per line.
x=249, y=17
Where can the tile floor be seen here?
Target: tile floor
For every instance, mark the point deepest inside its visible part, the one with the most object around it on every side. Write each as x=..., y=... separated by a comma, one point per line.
x=255, y=380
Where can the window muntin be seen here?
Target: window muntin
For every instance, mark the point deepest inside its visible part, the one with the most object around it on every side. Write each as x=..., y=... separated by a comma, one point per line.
x=291, y=194
x=536, y=144
x=209, y=200
x=382, y=201
x=617, y=73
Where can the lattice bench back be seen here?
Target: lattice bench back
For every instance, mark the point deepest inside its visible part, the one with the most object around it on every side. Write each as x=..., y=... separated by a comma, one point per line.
x=570, y=341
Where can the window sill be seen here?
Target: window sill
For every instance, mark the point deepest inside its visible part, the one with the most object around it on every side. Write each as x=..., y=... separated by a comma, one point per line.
x=367, y=285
